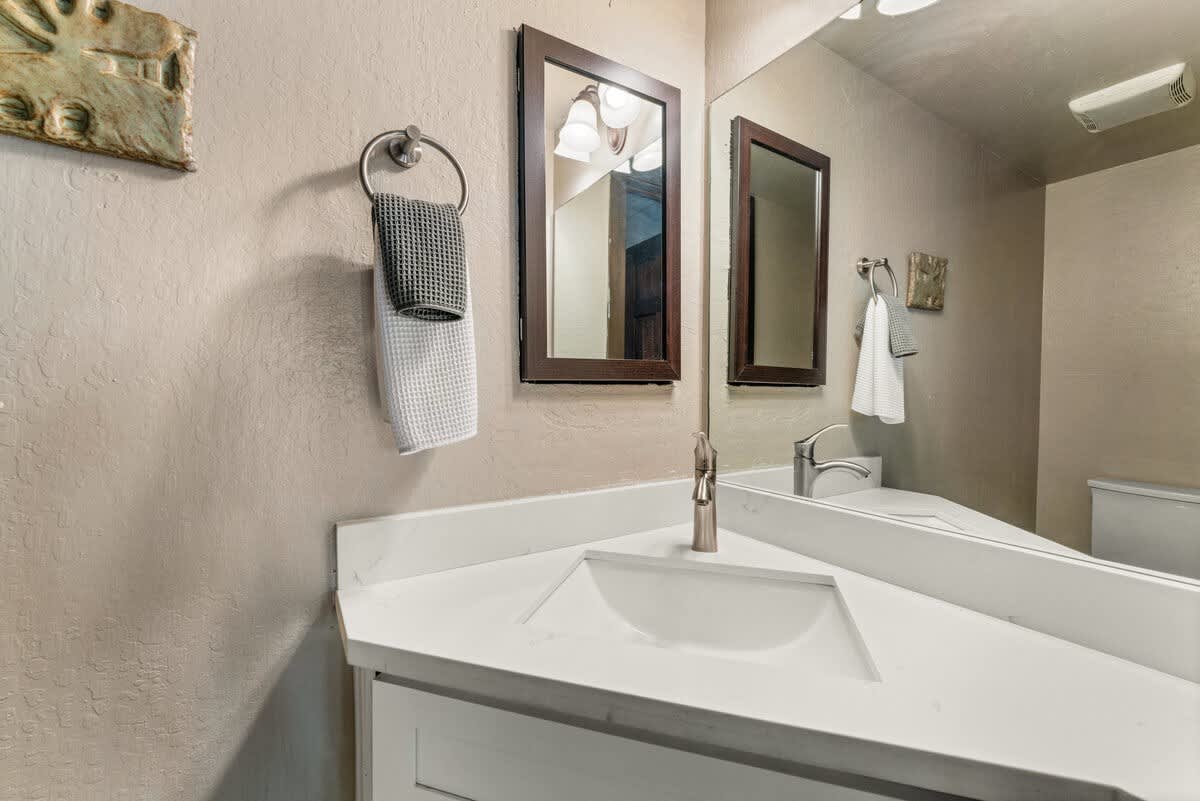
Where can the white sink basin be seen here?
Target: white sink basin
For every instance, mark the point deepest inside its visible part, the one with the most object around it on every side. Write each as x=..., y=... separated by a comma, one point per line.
x=770, y=617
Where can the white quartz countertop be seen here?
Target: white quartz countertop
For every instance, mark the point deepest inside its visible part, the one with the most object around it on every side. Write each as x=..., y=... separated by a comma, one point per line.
x=847, y=491
x=954, y=683
x=939, y=513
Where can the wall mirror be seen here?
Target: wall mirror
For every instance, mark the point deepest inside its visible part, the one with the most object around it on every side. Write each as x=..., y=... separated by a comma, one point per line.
x=1051, y=404
x=599, y=218
x=780, y=241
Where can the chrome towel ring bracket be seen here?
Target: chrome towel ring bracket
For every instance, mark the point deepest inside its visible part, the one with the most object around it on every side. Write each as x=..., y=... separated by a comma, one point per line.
x=405, y=148
x=866, y=268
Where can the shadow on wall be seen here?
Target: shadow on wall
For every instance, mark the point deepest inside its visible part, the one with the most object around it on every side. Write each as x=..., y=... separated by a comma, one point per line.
x=314, y=301
x=172, y=556
x=301, y=734
x=296, y=334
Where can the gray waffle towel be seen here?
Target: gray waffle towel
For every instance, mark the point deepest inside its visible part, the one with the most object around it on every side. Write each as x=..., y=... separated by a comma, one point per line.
x=424, y=261
x=426, y=369
x=901, y=341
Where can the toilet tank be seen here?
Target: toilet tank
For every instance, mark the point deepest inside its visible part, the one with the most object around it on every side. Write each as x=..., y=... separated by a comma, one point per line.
x=1148, y=525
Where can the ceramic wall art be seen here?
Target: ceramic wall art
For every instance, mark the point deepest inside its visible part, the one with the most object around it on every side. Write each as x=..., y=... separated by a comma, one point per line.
x=927, y=281
x=100, y=76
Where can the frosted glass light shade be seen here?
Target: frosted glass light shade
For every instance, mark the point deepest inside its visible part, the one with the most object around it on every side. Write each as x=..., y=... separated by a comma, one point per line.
x=567, y=153
x=618, y=108
x=894, y=8
x=854, y=13
x=651, y=158
x=579, y=132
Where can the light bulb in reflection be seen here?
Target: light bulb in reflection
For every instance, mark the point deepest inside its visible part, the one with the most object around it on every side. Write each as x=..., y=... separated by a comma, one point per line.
x=650, y=158
x=618, y=108
x=579, y=132
x=567, y=153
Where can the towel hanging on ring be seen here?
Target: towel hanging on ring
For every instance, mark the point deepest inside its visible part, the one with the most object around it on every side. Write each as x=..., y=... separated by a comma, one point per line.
x=901, y=340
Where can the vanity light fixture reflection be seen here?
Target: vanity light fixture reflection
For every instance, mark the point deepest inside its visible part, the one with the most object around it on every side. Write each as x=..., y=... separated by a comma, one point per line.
x=894, y=8
x=580, y=135
x=579, y=132
x=568, y=153
x=618, y=108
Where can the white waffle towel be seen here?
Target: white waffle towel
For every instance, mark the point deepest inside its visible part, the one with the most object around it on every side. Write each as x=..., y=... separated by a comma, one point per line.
x=879, y=384
x=426, y=375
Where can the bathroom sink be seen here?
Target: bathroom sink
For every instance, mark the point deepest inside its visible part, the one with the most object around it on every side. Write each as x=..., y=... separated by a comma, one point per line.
x=795, y=620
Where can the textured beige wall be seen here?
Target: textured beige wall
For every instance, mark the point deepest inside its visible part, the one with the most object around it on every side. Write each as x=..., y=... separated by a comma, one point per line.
x=746, y=35
x=1121, y=336
x=902, y=180
x=785, y=282
x=188, y=389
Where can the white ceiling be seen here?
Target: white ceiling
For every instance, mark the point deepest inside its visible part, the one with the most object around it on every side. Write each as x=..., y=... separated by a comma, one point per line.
x=1004, y=71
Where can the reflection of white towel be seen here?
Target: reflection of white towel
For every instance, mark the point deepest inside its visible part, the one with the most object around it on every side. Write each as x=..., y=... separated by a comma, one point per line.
x=879, y=384
x=426, y=373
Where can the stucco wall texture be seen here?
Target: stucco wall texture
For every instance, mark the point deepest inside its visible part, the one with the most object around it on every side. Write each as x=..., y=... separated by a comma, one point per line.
x=188, y=388
x=1121, y=336
x=901, y=180
x=746, y=35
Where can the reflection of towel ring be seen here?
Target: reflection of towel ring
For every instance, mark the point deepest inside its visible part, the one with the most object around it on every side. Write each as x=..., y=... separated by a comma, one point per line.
x=405, y=149
x=866, y=268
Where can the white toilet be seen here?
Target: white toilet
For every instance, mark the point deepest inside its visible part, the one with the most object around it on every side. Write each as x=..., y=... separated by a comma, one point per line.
x=1148, y=525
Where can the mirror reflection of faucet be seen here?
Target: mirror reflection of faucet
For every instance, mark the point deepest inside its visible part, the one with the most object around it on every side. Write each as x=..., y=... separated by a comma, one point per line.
x=806, y=468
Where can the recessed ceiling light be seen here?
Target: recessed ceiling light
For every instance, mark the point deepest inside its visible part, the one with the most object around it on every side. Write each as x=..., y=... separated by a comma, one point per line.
x=894, y=8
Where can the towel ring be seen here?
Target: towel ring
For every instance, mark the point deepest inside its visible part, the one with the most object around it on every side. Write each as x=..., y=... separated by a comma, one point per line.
x=405, y=149
x=866, y=268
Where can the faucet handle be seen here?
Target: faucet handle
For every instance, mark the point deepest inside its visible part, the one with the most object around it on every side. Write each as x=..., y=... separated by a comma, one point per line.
x=807, y=447
x=706, y=455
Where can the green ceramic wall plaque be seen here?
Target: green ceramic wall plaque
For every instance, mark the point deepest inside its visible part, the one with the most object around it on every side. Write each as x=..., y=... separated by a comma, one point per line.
x=100, y=76
x=927, y=281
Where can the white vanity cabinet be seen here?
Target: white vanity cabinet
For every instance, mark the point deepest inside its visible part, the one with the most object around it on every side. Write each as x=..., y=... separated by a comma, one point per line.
x=426, y=747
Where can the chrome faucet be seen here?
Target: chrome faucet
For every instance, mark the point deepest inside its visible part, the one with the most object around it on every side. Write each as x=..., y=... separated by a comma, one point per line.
x=806, y=468
x=704, y=521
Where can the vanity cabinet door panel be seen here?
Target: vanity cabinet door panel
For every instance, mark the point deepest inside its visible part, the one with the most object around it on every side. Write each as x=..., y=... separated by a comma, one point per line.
x=429, y=748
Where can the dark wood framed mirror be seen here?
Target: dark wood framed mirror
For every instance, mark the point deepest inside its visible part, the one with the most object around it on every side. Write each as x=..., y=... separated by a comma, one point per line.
x=779, y=272
x=599, y=238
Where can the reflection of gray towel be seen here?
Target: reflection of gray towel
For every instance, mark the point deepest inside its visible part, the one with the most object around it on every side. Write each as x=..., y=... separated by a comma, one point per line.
x=424, y=261
x=901, y=341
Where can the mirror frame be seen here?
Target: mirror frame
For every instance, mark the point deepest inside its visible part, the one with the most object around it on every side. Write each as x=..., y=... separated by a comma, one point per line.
x=534, y=50
x=742, y=369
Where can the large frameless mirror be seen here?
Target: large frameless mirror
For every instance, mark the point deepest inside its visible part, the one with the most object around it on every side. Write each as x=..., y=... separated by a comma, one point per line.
x=1021, y=179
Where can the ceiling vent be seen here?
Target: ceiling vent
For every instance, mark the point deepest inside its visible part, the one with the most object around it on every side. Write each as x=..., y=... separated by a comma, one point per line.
x=1135, y=99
